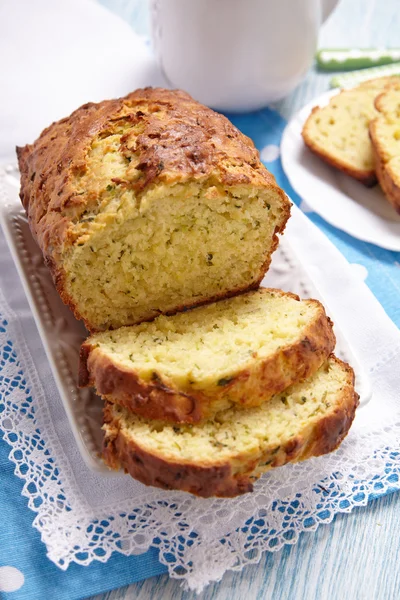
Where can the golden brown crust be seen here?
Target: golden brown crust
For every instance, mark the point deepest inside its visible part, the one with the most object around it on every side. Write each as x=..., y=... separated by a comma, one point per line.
x=179, y=139
x=389, y=186
x=159, y=399
x=118, y=452
x=320, y=436
x=365, y=176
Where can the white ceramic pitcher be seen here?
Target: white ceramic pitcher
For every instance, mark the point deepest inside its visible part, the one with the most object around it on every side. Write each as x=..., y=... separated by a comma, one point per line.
x=237, y=55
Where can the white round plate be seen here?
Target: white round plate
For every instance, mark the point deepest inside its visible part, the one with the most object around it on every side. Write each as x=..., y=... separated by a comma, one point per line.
x=342, y=201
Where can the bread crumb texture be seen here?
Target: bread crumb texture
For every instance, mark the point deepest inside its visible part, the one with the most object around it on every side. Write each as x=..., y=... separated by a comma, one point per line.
x=183, y=367
x=308, y=419
x=147, y=204
x=233, y=432
x=204, y=343
x=339, y=132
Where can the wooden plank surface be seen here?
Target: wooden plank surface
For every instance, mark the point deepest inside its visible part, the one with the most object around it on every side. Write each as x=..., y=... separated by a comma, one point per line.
x=357, y=557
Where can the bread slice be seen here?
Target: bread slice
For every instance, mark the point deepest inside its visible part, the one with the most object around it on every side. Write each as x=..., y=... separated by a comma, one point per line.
x=188, y=366
x=379, y=83
x=223, y=456
x=148, y=204
x=385, y=137
x=338, y=132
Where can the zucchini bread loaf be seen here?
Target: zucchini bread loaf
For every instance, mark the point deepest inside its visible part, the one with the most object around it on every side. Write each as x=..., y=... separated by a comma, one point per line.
x=385, y=137
x=148, y=204
x=223, y=456
x=338, y=132
x=186, y=367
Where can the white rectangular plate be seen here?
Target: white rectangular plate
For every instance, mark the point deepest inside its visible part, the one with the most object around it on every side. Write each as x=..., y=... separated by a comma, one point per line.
x=62, y=334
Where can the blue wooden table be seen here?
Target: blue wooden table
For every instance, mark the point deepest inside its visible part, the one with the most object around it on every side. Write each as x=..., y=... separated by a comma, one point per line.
x=358, y=555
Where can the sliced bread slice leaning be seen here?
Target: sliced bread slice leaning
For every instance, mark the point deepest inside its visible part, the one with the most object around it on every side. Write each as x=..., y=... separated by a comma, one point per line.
x=223, y=456
x=338, y=132
x=188, y=366
x=385, y=137
x=379, y=83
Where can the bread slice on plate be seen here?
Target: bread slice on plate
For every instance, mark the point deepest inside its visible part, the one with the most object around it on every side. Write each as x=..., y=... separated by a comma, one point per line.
x=186, y=367
x=148, y=204
x=379, y=83
x=226, y=454
x=339, y=134
x=385, y=137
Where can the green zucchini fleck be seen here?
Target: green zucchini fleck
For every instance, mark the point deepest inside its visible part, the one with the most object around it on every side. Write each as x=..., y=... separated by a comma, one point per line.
x=224, y=381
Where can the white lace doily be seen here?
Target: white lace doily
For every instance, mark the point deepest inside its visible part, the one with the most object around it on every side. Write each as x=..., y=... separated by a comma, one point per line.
x=84, y=516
